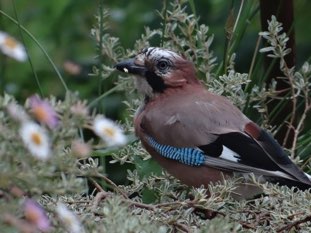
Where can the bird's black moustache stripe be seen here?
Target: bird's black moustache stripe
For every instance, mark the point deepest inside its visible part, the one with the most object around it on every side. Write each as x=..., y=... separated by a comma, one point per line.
x=156, y=82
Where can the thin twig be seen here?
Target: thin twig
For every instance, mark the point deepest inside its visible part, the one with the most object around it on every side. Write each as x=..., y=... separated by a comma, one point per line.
x=302, y=119
x=115, y=187
x=238, y=17
x=105, y=94
x=99, y=188
x=141, y=205
x=250, y=72
x=182, y=227
x=248, y=225
x=294, y=106
x=288, y=227
x=99, y=196
x=168, y=204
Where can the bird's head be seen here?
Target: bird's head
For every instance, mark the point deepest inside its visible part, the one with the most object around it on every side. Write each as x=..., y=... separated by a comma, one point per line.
x=158, y=69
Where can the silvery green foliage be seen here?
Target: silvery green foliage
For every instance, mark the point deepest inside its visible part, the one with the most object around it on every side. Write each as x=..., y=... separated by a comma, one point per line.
x=230, y=85
x=276, y=39
x=117, y=216
x=183, y=34
x=182, y=209
x=125, y=155
x=299, y=81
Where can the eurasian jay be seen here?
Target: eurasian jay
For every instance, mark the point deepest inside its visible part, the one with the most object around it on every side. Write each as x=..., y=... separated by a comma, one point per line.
x=197, y=136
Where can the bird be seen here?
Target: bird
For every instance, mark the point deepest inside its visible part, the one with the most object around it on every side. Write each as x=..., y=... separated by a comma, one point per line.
x=197, y=136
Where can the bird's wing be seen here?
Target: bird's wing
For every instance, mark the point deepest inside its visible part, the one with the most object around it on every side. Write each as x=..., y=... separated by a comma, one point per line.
x=210, y=122
x=191, y=118
x=238, y=167
x=274, y=151
x=196, y=157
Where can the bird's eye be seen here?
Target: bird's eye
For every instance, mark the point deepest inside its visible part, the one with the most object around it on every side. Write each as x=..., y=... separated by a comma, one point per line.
x=163, y=65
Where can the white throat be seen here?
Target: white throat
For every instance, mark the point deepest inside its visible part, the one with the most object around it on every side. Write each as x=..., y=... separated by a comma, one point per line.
x=143, y=86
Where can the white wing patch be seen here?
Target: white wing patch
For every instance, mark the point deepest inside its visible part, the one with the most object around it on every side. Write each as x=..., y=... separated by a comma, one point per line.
x=309, y=176
x=230, y=155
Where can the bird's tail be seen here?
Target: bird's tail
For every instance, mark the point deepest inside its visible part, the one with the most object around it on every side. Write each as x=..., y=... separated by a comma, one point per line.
x=275, y=152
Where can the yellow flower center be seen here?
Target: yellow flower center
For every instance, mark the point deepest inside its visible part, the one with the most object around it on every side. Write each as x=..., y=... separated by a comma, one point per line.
x=36, y=138
x=40, y=113
x=32, y=215
x=10, y=42
x=110, y=132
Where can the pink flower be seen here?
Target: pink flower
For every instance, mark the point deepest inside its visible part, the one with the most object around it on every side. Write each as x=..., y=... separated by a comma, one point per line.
x=43, y=111
x=35, y=214
x=80, y=149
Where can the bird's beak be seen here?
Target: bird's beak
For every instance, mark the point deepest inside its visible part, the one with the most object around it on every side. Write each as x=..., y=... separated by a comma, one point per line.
x=129, y=66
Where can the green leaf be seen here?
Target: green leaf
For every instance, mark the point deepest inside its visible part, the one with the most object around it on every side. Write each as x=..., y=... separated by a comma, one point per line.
x=147, y=167
x=149, y=196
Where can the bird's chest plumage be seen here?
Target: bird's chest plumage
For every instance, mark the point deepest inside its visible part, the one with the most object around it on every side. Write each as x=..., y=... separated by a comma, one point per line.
x=186, y=117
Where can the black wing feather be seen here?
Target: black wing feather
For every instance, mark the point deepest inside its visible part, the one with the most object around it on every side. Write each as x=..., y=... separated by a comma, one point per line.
x=263, y=153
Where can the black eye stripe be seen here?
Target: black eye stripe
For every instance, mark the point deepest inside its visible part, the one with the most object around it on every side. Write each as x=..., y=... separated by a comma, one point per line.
x=156, y=82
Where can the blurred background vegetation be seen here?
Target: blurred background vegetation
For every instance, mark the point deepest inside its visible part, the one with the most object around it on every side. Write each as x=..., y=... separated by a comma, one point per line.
x=63, y=28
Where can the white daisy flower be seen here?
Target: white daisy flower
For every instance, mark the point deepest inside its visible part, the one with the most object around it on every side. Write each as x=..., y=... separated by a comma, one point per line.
x=69, y=219
x=109, y=131
x=11, y=47
x=36, y=140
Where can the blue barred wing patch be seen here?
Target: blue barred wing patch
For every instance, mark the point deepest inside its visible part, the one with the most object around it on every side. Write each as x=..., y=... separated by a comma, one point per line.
x=186, y=155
